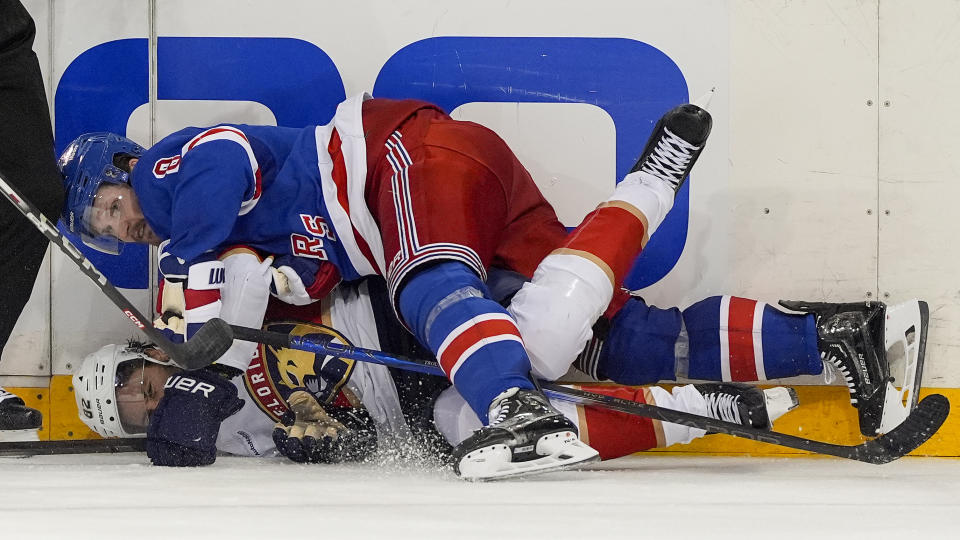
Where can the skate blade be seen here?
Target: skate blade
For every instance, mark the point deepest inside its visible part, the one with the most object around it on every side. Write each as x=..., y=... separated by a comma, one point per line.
x=19, y=435
x=704, y=101
x=493, y=462
x=905, y=341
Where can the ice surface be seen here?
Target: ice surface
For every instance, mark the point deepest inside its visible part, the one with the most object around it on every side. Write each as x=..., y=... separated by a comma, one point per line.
x=640, y=497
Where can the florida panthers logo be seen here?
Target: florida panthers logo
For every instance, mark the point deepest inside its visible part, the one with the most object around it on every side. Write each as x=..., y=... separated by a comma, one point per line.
x=165, y=166
x=322, y=375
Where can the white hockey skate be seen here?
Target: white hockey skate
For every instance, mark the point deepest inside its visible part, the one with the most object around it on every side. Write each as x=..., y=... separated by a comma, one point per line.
x=746, y=404
x=526, y=436
x=879, y=352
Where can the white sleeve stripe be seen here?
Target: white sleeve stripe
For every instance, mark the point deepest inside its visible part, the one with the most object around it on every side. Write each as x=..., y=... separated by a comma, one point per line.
x=202, y=313
x=724, y=339
x=224, y=133
x=758, y=341
x=228, y=133
x=339, y=217
x=355, y=220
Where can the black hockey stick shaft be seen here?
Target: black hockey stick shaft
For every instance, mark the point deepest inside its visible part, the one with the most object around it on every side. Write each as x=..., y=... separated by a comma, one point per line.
x=83, y=446
x=208, y=344
x=919, y=426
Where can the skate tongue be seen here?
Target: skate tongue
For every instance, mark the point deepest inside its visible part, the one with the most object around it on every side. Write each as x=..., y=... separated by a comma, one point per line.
x=779, y=401
x=496, y=406
x=830, y=372
x=704, y=101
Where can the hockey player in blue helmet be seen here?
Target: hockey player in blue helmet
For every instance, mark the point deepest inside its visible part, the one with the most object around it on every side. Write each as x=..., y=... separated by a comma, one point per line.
x=100, y=205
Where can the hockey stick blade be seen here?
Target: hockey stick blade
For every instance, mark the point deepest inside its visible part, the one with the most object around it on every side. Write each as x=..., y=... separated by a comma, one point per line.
x=208, y=344
x=919, y=426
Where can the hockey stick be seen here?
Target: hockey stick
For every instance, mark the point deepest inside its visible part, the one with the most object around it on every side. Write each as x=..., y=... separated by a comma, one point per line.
x=91, y=446
x=209, y=343
x=918, y=427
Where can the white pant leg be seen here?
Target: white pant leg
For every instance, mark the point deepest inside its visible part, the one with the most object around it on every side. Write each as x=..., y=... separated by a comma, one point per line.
x=555, y=311
x=684, y=398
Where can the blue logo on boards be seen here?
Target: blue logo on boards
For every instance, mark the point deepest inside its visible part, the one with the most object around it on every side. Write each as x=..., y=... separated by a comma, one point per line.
x=633, y=82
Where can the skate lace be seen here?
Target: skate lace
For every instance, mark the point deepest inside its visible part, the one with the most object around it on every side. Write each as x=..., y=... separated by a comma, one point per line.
x=723, y=407
x=669, y=160
x=833, y=365
x=501, y=416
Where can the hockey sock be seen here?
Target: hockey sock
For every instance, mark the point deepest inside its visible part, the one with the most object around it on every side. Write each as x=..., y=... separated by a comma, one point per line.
x=736, y=339
x=475, y=340
x=639, y=346
x=615, y=434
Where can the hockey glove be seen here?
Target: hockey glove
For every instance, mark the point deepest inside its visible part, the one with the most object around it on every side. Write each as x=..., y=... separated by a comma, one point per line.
x=301, y=281
x=183, y=429
x=313, y=435
x=189, y=293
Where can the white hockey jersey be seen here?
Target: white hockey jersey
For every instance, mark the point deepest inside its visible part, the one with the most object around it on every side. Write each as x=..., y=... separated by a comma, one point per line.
x=348, y=309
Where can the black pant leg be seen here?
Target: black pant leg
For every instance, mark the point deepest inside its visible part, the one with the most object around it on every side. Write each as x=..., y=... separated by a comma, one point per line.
x=27, y=161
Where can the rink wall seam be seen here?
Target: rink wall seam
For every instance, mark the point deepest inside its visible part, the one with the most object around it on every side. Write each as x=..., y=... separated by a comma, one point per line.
x=824, y=414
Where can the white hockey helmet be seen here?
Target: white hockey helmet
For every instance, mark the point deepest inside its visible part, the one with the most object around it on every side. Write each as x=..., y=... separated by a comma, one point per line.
x=96, y=386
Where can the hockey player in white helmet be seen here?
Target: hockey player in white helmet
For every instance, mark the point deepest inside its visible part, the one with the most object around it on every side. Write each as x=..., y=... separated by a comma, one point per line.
x=119, y=386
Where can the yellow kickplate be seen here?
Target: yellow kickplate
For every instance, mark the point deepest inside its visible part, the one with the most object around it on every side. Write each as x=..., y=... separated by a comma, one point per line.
x=825, y=414
x=65, y=424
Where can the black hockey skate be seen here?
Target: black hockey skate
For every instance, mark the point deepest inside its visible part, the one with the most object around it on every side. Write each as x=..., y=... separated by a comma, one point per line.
x=854, y=339
x=675, y=144
x=17, y=421
x=747, y=405
x=526, y=435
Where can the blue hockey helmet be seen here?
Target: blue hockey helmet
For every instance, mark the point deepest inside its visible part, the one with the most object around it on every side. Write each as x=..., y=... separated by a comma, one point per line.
x=87, y=163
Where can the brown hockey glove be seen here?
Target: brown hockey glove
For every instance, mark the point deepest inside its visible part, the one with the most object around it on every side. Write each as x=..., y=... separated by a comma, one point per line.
x=317, y=436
